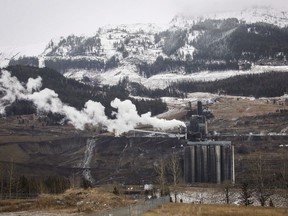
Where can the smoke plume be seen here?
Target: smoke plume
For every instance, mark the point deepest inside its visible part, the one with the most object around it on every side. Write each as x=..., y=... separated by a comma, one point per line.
x=93, y=113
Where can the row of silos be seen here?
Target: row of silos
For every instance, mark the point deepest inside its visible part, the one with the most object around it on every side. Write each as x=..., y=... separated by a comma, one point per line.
x=209, y=162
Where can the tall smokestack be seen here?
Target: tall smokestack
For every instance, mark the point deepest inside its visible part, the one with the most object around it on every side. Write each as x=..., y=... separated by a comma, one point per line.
x=190, y=105
x=199, y=108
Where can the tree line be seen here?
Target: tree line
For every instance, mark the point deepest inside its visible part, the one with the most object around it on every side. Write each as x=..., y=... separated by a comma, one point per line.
x=168, y=64
x=270, y=84
x=21, y=186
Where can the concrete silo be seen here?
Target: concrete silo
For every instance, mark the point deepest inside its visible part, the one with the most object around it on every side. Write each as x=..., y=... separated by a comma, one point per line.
x=209, y=162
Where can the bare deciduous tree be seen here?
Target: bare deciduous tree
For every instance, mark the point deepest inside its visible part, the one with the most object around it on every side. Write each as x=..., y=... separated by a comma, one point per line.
x=263, y=180
x=11, y=173
x=283, y=178
x=174, y=170
x=75, y=181
x=160, y=169
x=246, y=194
x=1, y=179
x=227, y=186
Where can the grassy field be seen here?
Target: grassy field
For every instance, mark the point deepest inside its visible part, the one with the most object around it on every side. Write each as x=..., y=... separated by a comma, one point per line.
x=235, y=107
x=177, y=209
x=71, y=201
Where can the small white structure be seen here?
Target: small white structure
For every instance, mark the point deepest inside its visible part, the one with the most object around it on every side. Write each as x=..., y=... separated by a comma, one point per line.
x=148, y=187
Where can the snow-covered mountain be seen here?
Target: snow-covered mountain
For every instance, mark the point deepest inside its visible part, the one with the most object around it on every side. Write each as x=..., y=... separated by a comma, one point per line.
x=249, y=15
x=207, y=47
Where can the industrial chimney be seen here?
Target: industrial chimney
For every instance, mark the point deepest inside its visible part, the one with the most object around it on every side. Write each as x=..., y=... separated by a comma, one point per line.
x=199, y=108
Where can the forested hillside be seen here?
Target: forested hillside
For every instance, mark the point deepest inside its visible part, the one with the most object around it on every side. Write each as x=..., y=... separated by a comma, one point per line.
x=231, y=40
x=272, y=84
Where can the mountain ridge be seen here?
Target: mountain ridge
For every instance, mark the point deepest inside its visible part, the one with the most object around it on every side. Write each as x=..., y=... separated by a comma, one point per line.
x=249, y=15
x=145, y=51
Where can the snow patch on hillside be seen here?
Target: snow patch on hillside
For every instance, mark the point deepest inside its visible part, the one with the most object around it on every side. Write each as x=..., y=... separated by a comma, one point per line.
x=110, y=77
x=138, y=27
x=205, y=98
x=249, y=15
x=162, y=81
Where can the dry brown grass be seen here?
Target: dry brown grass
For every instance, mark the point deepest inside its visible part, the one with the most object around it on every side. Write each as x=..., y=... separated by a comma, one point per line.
x=72, y=201
x=236, y=107
x=177, y=209
x=16, y=205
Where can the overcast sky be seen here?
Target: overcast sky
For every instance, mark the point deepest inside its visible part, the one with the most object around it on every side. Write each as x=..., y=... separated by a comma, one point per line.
x=25, y=22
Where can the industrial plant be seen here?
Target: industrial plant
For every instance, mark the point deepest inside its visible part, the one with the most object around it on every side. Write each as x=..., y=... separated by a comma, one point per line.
x=206, y=160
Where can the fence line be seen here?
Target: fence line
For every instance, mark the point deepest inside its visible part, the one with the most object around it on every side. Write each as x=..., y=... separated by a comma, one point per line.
x=17, y=196
x=135, y=209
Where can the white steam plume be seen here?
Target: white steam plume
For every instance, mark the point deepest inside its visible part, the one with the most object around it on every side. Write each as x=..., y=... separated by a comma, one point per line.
x=34, y=84
x=10, y=89
x=92, y=113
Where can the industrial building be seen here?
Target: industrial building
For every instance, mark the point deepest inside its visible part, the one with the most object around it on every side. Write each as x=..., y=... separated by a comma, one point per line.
x=206, y=161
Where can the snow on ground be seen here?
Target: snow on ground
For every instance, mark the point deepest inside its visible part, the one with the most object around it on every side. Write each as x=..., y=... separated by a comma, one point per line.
x=249, y=15
x=107, y=44
x=138, y=27
x=205, y=98
x=140, y=39
x=110, y=77
x=162, y=81
x=80, y=74
x=218, y=197
x=141, y=98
